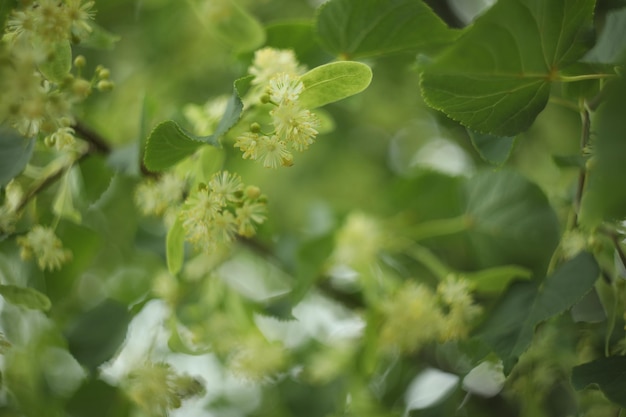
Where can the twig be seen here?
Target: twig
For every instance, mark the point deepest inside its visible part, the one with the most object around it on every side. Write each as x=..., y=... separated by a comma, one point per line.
x=96, y=142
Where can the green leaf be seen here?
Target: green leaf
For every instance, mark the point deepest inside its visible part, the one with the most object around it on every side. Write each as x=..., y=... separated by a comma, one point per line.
x=611, y=44
x=604, y=195
x=510, y=327
x=232, y=24
x=493, y=149
x=366, y=28
x=25, y=297
x=98, y=333
x=496, y=279
x=15, y=152
x=175, y=247
x=169, y=143
x=496, y=78
x=299, y=36
x=589, y=309
x=58, y=62
x=111, y=400
x=510, y=221
x=609, y=374
x=333, y=82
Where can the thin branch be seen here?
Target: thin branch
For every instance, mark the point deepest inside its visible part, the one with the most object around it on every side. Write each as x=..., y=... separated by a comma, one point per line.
x=96, y=142
x=585, y=132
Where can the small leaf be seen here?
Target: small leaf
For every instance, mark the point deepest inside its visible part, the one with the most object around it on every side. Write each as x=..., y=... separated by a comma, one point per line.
x=25, y=297
x=496, y=78
x=609, y=374
x=15, y=152
x=232, y=24
x=510, y=327
x=333, y=82
x=168, y=144
x=366, y=28
x=58, y=63
x=493, y=149
x=175, y=247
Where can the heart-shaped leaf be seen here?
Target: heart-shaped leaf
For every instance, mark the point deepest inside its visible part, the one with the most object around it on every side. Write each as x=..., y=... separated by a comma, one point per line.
x=366, y=28
x=496, y=78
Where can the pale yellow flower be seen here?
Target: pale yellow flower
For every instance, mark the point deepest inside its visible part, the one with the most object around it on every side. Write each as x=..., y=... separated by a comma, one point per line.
x=284, y=88
x=273, y=152
x=296, y=126
x=42, y=243
x=270, y=61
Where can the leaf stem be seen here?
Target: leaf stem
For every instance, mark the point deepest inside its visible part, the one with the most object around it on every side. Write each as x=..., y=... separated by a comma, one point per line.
x=575, y=78
x=585, y=132
x=430, y=261
x=439, y=227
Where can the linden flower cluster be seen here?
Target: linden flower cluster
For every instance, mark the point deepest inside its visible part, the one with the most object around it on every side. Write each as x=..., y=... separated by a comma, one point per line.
x=215, y=213
x=294, y=127
x=258, y=359
x=358, y=241
x=45, y=246
x=269, y=62
x=158, y=389
x=155, y=197
x=34, y=36
x=206, y=117
x=48, y=22
x=415, y=315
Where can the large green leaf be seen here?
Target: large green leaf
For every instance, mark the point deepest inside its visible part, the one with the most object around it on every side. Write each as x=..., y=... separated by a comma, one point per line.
x=98, y=333
x=611, y=45
x=510, y=221
x=609, y=374
x=299, y=36
x=604, y=196
x=15, y=152
x=333, y=82
x=496, y=78
x=510, y=327
x=365, y=28
x=169, y=143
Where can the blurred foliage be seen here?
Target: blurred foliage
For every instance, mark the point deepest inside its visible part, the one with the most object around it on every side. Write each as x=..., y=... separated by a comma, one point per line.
x=448, y=242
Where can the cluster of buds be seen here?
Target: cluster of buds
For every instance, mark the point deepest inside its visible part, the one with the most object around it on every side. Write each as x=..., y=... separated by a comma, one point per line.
x=216, y=212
